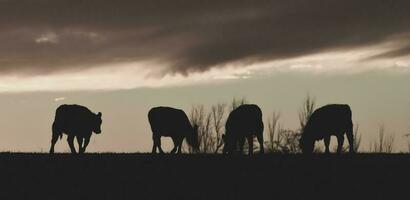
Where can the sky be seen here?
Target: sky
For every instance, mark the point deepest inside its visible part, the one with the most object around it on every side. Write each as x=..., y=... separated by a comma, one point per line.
x=124, y=58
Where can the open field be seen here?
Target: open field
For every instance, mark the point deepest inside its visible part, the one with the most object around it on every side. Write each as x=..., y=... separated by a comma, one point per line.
x=143, y=176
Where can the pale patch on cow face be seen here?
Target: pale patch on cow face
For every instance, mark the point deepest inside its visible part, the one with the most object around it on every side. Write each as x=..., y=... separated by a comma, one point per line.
x=97, y=123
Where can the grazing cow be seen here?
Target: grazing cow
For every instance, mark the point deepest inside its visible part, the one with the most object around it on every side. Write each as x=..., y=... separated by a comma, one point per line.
x=324, y=122
x=243, y=122
x=174, y=123
x=75, y=121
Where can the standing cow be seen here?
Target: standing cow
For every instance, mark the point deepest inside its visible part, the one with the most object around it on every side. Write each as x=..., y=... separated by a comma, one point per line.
x=243, y=122
x=75, y=121
x=174, y=123
x=324, y=122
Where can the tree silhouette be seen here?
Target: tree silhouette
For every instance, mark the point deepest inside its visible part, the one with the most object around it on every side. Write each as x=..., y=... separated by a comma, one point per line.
x=384, y=143
x=281, y=140
x=273, y=128
x=306, y=110
x=218, y=112
x=237, y=102
x=211, y=126
x=357, y=138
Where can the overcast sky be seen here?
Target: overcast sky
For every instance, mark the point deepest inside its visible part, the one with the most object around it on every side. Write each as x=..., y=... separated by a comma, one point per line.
x=94, y=51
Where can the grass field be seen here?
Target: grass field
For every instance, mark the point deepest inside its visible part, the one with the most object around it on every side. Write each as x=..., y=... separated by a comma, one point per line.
x=144, y=176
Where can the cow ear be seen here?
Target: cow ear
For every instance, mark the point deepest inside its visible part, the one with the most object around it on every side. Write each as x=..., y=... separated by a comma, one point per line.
x=99, y=114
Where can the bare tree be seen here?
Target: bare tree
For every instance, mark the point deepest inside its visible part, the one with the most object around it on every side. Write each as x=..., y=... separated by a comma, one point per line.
x=218, y=112
x=384, y=143
x=357, y=138
x=306, y=110
x=408, y=142
x=203, y=119
x=197, y=114
x=197, y=117
x=281, y=140
x=205, y=136
x=287, y=141
x=237, y=102
x=408, y=146
x=210, y=127
x=273, y=128
x=304, y=113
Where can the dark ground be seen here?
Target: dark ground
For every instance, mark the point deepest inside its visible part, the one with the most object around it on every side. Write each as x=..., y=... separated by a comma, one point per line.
x=143, y=176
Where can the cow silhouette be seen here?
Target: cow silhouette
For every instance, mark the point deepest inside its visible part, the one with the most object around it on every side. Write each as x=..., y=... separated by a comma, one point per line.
x=174, y=123
x=324, y=122
x=75, y=121
x=244, y=122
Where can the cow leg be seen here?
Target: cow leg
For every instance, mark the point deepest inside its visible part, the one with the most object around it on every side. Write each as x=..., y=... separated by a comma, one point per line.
x=86, y=142
x=154, y=145
x=175, y=140
x=70, y=140
x=54, y=138
x=53, y=142
x=349, y=134
x=157, y=143
x=250, y=145
x=340, y=141
x=179, y=145
x=327, y=143
x=260, y=140
x=80, y=144
x=241, y=142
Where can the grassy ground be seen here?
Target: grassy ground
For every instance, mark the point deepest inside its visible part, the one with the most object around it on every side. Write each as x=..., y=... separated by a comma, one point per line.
x=144, y=176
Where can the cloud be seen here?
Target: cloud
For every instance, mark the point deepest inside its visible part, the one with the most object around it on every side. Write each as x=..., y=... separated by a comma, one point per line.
x=183, y=37
x=59, y=99
x=47, y=38
x=137, y=75
x=398, y=52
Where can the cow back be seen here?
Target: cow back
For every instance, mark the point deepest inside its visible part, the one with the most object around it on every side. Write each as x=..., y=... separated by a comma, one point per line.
x=244, y=120
x=169, y=121
x=73, y=118
x=329, y=119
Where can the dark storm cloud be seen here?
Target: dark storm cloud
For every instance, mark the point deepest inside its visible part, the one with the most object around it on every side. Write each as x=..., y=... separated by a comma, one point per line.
x=43, y=36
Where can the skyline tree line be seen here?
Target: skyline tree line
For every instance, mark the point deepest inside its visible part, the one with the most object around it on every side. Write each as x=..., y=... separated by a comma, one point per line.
x=278, y=139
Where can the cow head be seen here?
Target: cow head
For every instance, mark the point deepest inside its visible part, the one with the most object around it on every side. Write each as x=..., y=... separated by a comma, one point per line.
x=192, y=138
x=229, y=144
x=96, y=126
x=306, y=144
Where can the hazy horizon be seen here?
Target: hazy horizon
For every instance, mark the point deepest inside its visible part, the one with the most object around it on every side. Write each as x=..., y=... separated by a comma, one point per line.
x=121, y=59
x=126, y=128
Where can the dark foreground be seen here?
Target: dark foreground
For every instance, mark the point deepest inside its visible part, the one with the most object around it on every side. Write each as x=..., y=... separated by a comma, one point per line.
x=142, y=176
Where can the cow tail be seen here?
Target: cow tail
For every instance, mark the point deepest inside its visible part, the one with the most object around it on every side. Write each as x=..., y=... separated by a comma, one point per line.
x=61, y=136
